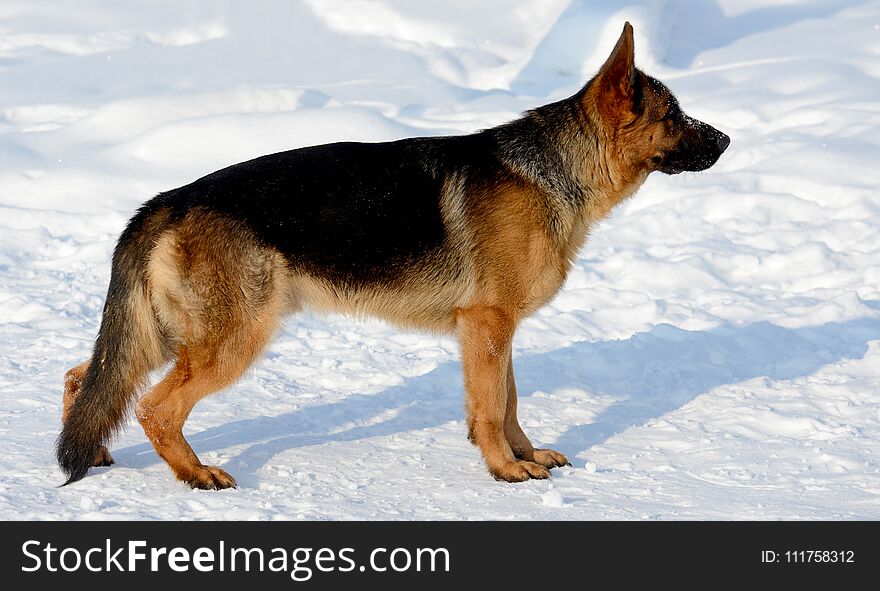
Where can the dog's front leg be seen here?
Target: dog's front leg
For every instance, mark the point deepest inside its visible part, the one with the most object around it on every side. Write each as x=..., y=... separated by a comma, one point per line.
x=486, y=335
x=522, y=447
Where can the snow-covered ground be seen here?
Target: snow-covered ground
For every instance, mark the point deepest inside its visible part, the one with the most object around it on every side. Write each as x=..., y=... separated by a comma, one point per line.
x=714, y=353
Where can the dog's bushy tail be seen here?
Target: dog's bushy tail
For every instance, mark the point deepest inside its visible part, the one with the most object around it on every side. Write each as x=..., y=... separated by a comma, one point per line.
x=127, y=348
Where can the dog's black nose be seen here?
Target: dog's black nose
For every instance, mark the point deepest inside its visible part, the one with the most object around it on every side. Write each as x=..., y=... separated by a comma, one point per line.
x=723, y=141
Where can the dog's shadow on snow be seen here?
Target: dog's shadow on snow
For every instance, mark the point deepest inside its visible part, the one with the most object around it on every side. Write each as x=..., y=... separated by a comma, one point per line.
x=648, y=375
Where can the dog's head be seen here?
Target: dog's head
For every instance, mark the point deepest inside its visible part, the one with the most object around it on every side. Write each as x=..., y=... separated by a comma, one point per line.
x=643, y=121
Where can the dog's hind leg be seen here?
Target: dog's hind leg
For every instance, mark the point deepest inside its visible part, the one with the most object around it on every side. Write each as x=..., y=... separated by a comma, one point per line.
x=522, y=447
x=485, y=335
x=201, y=369
x=220, y=297
x=73, y=381
x=165, y=408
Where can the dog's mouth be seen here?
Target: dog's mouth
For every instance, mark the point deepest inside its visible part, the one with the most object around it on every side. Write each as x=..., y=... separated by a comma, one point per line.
x=691, y=162
x=696, y=153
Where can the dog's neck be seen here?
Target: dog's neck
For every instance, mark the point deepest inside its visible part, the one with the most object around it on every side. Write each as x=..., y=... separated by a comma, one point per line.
x=565, y=152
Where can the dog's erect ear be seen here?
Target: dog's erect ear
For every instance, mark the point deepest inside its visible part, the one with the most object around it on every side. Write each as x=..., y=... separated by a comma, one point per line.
x=618, y=74
x=617, y=77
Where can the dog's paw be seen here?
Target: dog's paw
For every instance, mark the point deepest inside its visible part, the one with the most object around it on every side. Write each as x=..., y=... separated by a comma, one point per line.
x=519, y=471
x=550, y=458
x=103, y=458
x=210, y=478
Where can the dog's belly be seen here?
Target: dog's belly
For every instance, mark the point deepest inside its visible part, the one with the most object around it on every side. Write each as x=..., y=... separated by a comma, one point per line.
x=422, y=301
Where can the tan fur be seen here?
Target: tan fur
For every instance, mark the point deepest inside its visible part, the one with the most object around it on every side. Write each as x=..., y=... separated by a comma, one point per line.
x=485, y=335
x=221, y=297
x=152, y=351
x=73, y=381
x=519, y=442
x=520, y=266
x=520, y=445
x=416, y=304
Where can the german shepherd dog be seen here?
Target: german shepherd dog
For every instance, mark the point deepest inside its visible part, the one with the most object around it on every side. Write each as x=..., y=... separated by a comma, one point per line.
x=464, y=234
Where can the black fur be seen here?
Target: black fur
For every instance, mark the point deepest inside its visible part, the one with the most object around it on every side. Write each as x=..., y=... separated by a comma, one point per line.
x=353, y=213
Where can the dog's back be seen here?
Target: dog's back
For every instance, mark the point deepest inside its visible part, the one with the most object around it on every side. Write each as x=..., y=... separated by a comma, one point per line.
x=352, y=212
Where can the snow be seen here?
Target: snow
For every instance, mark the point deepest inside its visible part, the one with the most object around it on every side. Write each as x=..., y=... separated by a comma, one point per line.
x=713, y=355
